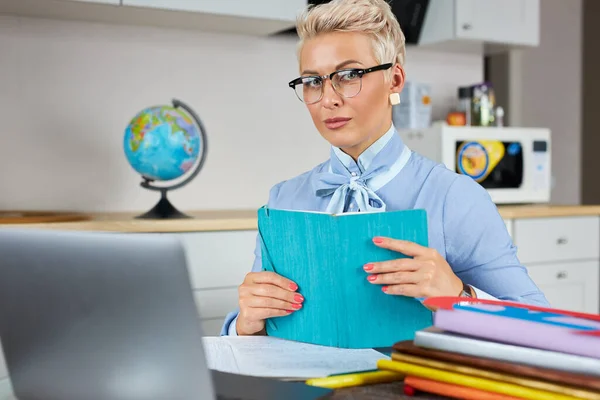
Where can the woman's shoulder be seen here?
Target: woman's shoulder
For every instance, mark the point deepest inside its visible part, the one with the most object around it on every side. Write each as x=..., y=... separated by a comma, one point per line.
x=296, y=187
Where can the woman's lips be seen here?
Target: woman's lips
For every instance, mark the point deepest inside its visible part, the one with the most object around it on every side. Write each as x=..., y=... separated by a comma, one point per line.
x=336, y=123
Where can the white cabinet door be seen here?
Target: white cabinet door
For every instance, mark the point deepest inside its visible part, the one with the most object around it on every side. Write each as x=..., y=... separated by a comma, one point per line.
x=210, y=327
x=218, y=260
x=216, y=303
x=498, y=21
x=570, y=286
x=282, y=10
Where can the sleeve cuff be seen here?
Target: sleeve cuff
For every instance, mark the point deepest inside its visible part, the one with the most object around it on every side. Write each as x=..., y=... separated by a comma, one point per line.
x=482, y=295
x=232, y=331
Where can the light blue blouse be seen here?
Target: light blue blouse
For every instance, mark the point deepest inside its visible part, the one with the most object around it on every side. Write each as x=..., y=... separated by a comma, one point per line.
x=464, y=225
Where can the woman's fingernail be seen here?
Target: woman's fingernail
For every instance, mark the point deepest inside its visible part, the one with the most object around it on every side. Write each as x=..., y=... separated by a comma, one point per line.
x=371, y=278
x=298, y=298
x=368, y=267
x=293, y=286
x=378, y=240
x=385, y=289
x=297, y=306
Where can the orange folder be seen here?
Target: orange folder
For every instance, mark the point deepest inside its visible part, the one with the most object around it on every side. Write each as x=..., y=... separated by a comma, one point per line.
x=454, y=391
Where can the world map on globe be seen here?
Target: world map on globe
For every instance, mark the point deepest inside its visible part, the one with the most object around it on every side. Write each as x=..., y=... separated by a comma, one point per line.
x=162, y=143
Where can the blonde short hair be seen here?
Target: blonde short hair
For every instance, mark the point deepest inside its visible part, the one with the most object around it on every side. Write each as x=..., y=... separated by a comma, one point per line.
x=373, y=17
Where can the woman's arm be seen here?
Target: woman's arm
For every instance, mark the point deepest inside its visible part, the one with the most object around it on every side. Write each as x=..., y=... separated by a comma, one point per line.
x=479, y=248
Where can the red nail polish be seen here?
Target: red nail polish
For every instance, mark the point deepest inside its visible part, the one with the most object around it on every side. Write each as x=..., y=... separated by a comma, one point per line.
x=298, y=298
x=297, y=306
x=385, y=289
x=371, y=278
x=368, y=267
x=378, y=240
x=293, y=286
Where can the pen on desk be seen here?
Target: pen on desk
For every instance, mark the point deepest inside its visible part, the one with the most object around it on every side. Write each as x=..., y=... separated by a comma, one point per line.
x=366, y=378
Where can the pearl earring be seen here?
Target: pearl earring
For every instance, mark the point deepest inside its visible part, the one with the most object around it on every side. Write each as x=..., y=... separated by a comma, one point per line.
x=394, y=98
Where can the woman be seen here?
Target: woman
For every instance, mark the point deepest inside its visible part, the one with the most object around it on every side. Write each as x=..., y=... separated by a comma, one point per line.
x=351, y=56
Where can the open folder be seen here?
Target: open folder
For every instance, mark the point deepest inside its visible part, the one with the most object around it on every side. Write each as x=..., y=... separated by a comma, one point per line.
x=325, y=254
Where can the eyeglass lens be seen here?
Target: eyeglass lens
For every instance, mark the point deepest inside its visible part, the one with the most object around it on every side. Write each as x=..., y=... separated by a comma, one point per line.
x=345, y=83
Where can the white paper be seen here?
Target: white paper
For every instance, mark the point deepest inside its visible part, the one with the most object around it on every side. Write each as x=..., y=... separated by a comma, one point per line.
x=277, y=358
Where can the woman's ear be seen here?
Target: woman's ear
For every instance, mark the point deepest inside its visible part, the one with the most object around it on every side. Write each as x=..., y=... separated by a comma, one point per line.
x=397, y=82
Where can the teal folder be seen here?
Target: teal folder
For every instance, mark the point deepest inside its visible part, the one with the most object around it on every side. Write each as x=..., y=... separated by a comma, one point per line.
x=325, y=254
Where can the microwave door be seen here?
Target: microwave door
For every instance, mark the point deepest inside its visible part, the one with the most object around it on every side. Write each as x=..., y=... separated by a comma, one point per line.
x=495, y=164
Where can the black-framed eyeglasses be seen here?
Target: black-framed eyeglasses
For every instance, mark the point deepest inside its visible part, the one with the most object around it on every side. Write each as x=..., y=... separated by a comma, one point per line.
x=346, y=82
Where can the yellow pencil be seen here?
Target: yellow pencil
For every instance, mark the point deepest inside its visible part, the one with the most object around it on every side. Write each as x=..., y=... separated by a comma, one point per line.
x=357, y=379
x=472, y=381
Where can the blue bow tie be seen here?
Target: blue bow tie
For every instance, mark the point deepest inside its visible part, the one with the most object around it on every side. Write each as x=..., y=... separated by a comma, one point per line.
x=344, y=188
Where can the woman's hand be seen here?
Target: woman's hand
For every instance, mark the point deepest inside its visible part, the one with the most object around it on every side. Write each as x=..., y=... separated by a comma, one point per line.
x=265, y=295
x=427, y=274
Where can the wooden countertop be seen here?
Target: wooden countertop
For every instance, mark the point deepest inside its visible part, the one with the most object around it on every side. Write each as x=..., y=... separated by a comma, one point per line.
x=232, y=220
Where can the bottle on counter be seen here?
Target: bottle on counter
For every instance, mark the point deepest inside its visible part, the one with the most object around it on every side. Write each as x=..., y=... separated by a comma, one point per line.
x=499, y=116
x=482, y=105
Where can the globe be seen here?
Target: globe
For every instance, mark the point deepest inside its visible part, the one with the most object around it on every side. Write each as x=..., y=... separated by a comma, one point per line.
x=163, y=143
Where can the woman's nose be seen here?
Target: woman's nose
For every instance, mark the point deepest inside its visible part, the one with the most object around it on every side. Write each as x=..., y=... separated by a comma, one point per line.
x=331, y=98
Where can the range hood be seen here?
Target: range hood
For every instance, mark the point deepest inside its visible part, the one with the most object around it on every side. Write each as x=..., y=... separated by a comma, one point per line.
x=409, y=13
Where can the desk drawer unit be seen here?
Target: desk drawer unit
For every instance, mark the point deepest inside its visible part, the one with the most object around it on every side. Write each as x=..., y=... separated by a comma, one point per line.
x=540, y=240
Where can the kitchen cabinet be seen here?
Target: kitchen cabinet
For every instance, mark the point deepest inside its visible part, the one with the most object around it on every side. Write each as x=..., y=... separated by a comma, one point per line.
x=276, y=10
x=562, y=256
x=256, y=18
x=493, y=22
x=237, y=16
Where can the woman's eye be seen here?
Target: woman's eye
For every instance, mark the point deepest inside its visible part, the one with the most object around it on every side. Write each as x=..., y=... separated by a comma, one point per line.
x=312, y=83
x=350, y=75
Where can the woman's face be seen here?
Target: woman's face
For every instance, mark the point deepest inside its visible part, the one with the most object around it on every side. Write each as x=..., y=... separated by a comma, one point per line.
x=350, y=123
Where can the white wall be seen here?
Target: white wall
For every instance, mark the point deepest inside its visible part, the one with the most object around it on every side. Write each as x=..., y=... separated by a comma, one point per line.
x=68, y=89
x=545, y=90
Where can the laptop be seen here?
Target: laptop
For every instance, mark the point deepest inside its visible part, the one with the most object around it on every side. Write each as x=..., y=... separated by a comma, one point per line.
x=111, y=316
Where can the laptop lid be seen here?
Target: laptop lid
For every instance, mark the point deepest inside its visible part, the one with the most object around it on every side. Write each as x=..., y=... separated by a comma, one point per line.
x=99, y=316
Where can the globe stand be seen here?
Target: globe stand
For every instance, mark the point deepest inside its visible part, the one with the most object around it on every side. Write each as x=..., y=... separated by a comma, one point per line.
x=164, y=209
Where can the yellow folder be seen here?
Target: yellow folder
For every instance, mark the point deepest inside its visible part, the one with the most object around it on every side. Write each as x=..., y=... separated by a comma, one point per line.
x=532, y=383
x=490, y=385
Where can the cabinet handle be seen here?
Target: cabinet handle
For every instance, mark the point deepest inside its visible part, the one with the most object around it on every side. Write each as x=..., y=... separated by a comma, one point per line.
x=561, y=240
x=466, y=27
x=561, y=275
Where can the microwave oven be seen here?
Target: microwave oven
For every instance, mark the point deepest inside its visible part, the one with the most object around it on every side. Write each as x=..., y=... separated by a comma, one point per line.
x=512, y=164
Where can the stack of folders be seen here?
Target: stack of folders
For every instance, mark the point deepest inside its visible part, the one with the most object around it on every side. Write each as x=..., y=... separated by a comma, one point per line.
x=487, y=349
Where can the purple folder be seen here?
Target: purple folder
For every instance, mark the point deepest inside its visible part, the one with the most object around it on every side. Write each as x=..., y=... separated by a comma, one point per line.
x=515, y=323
